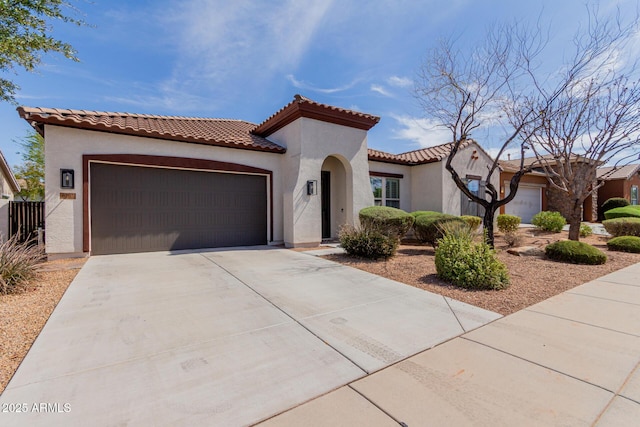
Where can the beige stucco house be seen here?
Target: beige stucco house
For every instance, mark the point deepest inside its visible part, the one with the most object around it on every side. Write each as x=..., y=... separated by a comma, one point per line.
x=8, y=187
x=118, y=182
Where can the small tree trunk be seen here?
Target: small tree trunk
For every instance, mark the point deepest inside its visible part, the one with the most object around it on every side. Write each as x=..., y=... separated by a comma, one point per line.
x=574, y=225
x=487, y=223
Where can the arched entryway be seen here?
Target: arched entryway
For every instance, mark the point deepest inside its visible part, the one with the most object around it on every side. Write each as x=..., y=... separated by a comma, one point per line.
x=335, y=190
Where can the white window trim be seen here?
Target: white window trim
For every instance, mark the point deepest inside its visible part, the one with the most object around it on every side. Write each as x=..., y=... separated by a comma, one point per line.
x=383, y=200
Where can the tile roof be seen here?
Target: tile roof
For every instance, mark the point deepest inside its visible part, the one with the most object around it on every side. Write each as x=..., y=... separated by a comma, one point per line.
x=304, y=107
x=514, y=165
x=622, y=172
x=416, y=157
x=219, y=132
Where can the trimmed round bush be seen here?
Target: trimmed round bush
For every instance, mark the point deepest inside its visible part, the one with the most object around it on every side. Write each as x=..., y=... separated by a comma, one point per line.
x=427, y=229
x=575, y=252
x=508, y=223
x=614, y=202
x=428, y=213
x=549, y=221
x=469, y=265
x=367, y=243
x=585, y=230
x=625, y=244
x=386, y=220
x=624, y=212
x=622, y=226
x=472, y=221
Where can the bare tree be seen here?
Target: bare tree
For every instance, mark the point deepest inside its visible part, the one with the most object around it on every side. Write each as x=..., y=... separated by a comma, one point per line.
x=590, y=116
x=467, y=90
x=585, y=115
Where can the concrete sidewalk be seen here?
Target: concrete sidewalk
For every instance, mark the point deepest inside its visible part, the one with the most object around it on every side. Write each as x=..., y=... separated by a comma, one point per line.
x=572, y=360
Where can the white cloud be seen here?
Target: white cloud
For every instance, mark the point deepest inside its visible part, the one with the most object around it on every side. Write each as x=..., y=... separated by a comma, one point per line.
x=301, y=84
x=424, y=132
x=220, y=41
x=380, y=89
x=400, y=81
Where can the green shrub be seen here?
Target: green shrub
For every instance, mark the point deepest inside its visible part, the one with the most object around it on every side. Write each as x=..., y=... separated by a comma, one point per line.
x=473, y=221
x=428, y=213
x=469, y=265
x=508, y=223
x=386, y=220
x=625, y=244
x=622, y=226
x=18, y=264
x=575, y=252
x=585, y=230
x=614, y=202
x=549, y=221
x=367, y=243
x=624, y=212
x=427, y=227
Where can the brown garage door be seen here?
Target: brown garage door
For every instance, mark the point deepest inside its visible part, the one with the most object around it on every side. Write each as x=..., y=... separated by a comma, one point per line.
x=143, y=209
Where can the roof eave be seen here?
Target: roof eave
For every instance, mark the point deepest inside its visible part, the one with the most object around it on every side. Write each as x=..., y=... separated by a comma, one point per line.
x=296, y=110
x=37, y=120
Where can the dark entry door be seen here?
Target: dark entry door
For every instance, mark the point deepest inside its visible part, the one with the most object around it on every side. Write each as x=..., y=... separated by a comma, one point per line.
x=325, y=194
x=144, y=209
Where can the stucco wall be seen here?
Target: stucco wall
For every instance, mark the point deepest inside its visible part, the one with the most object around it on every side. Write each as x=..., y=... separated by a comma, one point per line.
x=427, y=187
x=4, y=219
x=5, y=188
x=64, y=148
x=465, y=164
x=309, y=142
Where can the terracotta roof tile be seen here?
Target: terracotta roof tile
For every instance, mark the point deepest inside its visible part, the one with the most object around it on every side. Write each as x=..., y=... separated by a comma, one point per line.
x=416, y=157
x=304, y=107
x=220, y=132
x=622, y=172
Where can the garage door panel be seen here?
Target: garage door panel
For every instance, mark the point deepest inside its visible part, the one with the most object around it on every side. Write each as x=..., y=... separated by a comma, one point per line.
x=138, y=209
x=526, y=203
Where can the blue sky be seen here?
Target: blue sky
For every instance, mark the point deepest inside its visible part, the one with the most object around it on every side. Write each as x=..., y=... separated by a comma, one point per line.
x=246, y=59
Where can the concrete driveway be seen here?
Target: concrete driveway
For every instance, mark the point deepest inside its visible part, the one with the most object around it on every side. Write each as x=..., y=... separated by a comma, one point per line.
x=221, y=337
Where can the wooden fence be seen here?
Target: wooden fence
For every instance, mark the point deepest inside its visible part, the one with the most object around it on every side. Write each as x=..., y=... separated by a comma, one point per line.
x=25, y=218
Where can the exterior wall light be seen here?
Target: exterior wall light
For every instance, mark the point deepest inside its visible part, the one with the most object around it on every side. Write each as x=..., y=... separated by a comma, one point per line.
x=312, y=188
x=66, y=178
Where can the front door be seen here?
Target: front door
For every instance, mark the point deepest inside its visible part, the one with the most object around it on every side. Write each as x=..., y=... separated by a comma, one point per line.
x=325, y=194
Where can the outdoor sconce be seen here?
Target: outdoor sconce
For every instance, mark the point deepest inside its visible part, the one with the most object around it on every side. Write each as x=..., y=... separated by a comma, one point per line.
x=66, y=178
x=312, y=188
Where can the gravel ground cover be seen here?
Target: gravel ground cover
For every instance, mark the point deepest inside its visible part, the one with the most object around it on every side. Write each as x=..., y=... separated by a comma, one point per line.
x=533, y=279
x=24, y=314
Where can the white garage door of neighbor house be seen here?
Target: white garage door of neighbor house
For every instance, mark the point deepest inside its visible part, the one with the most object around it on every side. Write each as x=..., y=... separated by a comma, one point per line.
x=526, y=204
x=144, y=209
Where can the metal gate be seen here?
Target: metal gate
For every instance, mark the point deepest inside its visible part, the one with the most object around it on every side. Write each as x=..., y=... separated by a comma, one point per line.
x=25, y=219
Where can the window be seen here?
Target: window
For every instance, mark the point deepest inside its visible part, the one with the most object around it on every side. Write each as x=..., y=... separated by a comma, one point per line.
x=386, y=191
x=634, y=194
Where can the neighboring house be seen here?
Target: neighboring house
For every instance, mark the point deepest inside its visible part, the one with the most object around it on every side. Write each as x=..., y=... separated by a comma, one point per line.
x=535, y=194
x=9, y=187
x=621, y=181
x=118, y=182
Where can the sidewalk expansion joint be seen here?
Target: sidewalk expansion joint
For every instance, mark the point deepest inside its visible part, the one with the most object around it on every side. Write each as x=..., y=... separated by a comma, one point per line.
x=401, y=423
x=581, y=322
x=537, y=364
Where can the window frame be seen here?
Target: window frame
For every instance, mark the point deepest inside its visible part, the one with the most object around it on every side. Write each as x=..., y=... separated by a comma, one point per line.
x=631, y=199
x=384, y=200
